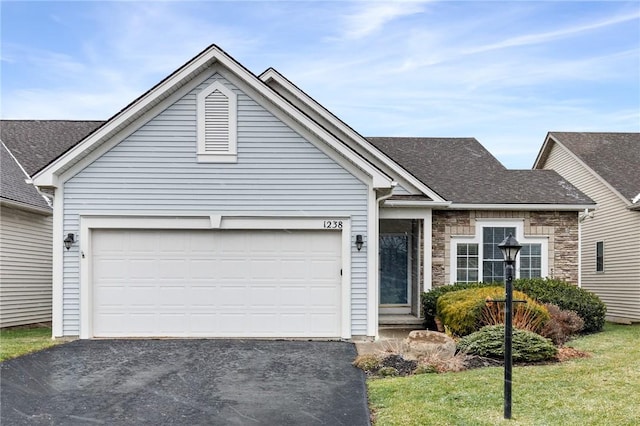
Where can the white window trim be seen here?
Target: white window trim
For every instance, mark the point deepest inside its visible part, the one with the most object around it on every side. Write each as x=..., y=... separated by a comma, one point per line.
x=88, y=223
x=477, y=239
x=231, y=155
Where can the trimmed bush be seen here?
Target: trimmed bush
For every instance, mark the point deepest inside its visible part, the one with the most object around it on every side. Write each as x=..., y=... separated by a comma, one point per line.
x=526, y=346
x=464, y=311
x=568, y=297
x=429, y=300
x=562, y=325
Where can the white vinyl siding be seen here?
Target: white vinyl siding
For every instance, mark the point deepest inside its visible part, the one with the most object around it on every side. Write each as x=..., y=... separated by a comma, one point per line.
x=216, y=109
x=278, y=173
x=400, y=190
x=612, y=222
x=25, y=271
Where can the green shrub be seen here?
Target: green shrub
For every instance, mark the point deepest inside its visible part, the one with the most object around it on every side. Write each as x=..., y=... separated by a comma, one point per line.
x=429, y=300
x=568, y=297
x=464, y=311
x=526, y=346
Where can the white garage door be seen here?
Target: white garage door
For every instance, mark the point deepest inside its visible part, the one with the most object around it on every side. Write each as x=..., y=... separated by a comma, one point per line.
x=190, y=283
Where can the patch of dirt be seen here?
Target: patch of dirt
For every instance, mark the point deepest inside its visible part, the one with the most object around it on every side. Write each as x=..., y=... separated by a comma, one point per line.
x=566, y=353
x=405, y=367
x=474, y=361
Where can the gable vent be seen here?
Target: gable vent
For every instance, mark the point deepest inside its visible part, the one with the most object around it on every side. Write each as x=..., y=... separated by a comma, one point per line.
x=217, y=124
x=216, y=115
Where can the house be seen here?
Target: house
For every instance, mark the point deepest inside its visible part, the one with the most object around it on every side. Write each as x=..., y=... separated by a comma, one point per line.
x=221, y=203
x=606, y=167
x=26, y=217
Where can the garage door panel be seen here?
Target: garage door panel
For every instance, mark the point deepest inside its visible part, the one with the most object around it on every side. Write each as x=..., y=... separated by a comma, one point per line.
x=139, y=269
x=216, y=283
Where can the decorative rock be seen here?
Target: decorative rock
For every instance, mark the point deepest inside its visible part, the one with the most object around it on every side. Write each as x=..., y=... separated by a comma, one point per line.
x=422, y=343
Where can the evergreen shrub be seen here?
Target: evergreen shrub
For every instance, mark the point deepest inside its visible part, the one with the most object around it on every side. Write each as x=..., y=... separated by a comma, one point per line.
x=526, y=346
x=568, y=297
x=429, y=300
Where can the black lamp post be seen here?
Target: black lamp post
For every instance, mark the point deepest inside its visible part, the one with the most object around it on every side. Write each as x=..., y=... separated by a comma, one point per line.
x=510, y=248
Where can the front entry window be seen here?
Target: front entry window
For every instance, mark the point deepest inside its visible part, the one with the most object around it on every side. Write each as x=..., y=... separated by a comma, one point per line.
x=394, y=269
x=479, y=258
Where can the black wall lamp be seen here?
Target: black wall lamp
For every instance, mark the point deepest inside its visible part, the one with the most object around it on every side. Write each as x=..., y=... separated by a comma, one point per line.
x=359, y=242
x=68, y=242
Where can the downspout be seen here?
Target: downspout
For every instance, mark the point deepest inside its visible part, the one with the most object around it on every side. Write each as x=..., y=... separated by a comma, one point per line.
x=381, y=195
x=581, y=218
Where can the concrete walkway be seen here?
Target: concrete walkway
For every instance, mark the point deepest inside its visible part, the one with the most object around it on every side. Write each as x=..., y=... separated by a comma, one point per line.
x=390, y=340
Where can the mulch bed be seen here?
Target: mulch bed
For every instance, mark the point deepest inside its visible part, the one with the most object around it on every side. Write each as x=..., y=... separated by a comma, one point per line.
x=406, y=367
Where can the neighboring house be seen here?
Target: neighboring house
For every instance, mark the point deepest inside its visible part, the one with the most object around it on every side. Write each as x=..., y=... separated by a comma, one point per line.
x=221, y=203
x=26, y=217
x=25, y=248
x=606, y=167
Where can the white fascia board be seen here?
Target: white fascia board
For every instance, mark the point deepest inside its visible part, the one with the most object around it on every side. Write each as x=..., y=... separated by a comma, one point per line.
x=409, y=203
x=546, y=145
x=548, y=207
x=273, y=75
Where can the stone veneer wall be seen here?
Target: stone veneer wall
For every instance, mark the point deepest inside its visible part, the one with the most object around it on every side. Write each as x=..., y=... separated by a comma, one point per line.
x=559, y=226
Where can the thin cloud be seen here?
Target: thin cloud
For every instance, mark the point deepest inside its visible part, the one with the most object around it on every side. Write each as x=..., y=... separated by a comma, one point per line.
x=371, y=18
x=546, y=37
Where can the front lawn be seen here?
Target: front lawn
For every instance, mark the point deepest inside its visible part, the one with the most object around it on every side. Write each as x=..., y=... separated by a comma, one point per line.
x=20, y=341
x=600, y=390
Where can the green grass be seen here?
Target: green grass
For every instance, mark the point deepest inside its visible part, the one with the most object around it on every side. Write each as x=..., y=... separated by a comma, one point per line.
x=20, y=341
x=601, y=390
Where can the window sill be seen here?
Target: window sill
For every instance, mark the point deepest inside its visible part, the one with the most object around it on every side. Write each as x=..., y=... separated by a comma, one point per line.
x=217, y=158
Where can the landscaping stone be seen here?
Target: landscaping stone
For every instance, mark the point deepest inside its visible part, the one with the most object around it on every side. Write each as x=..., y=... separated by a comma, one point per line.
x=422, y=343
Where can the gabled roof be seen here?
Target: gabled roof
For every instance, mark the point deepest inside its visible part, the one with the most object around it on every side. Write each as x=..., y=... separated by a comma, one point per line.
x=461, y=170
x=13, y=188
x=36, y=143
x=317, y=112
x=178, y=81
x=615, y=157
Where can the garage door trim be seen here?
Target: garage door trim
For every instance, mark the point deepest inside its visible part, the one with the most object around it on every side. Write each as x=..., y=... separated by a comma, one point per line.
x=210, y=222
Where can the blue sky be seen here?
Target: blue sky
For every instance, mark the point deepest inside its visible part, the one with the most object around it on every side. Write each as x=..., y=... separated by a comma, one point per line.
x=505, y=72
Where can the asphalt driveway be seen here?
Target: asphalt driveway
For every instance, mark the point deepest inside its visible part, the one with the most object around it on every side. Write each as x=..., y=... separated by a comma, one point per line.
x=185, y=382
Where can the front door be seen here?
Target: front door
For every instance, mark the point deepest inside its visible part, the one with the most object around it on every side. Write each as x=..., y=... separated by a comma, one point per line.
x=395, y=273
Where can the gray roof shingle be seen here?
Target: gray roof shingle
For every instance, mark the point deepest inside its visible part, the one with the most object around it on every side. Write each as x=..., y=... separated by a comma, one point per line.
x=12, y=183
x=461, y=170
x=36, y=143
x=614, y=156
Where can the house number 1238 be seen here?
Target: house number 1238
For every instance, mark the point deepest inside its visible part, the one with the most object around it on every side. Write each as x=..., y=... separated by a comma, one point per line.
x=332, y=224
